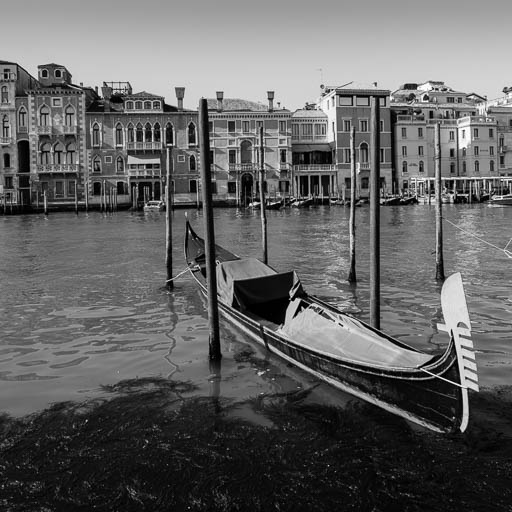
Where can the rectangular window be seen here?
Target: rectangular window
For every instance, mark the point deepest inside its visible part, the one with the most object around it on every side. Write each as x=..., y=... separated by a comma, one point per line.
x=475, y=133
x=56, y=102
x=381, y=125
x=382, y=102
x=463, y=134
x=319, y=129
x=365, y=182
x=108, y=159
x=491, y=133
x=71, y=188
x=259, y=125
x=282, y=126
x=346, y=101
x=282, y=153
x=59, y=189
x=347, y=125
x=363, y=101
x=502, y=160
x=404, y=150
x=363, y=125
x=347, y=183
x=295, y=130
x=491, y=150
x=231, y=187
x=181, y=159
x=404, y=133
x=212, y=156
x=231, y=126
x=382, y=155
x=420, y=150
x=450, y=99
x=420, y=132
x=476, y=150
x=214, y=187
x=307, y=130
x=452, y=135
x=452, y=152
x=346, y=155
x=192, y=186
x=245, y=126
x=232, y=156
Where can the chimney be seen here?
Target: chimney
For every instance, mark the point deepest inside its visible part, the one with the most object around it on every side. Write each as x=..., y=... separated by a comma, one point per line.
x=180, y=94
x=270, y=96
x=375, y=84
x=220, y=97
x=107, y=94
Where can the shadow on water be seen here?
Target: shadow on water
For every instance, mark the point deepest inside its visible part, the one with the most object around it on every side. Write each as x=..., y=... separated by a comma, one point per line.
x=146, y=446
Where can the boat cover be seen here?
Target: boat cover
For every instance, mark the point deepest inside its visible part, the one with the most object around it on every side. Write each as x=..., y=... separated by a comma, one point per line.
x=241, y=283
x=347, y=338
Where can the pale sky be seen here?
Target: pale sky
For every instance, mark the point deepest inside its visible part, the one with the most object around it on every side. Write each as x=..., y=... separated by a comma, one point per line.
x=246, y=48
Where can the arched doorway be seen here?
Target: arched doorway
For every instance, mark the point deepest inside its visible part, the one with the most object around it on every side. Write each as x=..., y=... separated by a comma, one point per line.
x=24, y=172
x=246, y=188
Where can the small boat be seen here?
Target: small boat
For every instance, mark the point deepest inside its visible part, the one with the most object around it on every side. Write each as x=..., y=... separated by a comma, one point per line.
x=390, y=201
x=502, y=200
x=302, y=203
x=154, y=206
x=274, y=309
x=274, y=205
x=409, y=200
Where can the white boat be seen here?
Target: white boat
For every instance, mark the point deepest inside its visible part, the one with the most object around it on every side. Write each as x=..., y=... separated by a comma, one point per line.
x=501, y=200
x=154, y=206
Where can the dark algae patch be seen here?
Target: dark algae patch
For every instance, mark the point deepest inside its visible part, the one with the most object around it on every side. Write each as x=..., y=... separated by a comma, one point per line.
x=145, y=447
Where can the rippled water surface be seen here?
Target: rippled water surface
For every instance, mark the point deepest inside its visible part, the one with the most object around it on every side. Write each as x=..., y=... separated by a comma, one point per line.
x=83, y=303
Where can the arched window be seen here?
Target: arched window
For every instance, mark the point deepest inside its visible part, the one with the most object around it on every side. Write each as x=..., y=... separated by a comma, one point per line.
x=7, y=160
x=156, y=133
x=44, y=156
x=44, y=73
x=169, y=134
x=44, y=116
x=96, y=188
x=5, y=94
x=22, y=117
x=422, y=166
x=477, y=166
x=71, y=153
x=363, y=153
x=452, y=167
x=129, y=105
x=192, y=163
x=138, y=105
x=95, y=134
x=58, y=153
x=119, y=165
x=404, y=166
x=148, y=133
x=156, y=105
x=463, y=166
x=246, y=152
x=147, y=105
x=6, y=129
x=119, y=135
x=191, y=134
x=131, y=136
x=70, y=116
x=58, y=73
x=139, y=133
x=96, y=164
x=491, y=166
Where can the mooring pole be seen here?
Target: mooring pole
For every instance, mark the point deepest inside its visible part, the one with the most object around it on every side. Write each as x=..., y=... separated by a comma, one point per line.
x=375, y=216
x=211, y=276
x=439, y=207
x=352, y=222
x=168, y=222
x=76, y=197
x=45, y=199
x=262, y=199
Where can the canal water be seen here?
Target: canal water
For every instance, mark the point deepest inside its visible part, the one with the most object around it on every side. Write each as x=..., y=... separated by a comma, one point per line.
x=83, y=303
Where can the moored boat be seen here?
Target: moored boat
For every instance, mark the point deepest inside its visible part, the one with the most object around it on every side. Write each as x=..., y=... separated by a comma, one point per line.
x=275, y=310
x=154, y=206
x=503, y=200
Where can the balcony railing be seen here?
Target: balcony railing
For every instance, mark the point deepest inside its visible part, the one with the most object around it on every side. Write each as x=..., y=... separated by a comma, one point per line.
x=144, y=173
x=6, y=141
x=314, y=167
x=362, y=166
x=243, y=167
x=7, y=76
x=502, y=149
x=69, y=129
x=57, y=168
x=139, y=146
x=42, y=130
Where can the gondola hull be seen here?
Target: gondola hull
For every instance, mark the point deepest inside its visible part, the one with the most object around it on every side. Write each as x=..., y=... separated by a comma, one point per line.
x=433, y=395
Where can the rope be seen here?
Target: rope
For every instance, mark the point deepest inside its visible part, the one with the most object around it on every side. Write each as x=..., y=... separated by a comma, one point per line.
x=178, y=275
x=505, y=250
x=442, y=378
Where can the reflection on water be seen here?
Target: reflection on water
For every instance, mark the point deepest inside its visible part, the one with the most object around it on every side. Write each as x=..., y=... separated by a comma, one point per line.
x=82, y=302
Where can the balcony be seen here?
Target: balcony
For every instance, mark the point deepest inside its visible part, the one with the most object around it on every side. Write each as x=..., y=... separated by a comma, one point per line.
x=52, y=168
x=502, y=149
x=314, y=167
x=43, y=130
x=8, y=76
x=362, y=166
x=144, y=173
x=5, y=141
x=243, y=167
x=69, y=129
x=144, y=146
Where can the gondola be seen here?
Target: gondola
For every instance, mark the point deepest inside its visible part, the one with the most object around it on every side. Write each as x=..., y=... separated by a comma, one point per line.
x=275, y=310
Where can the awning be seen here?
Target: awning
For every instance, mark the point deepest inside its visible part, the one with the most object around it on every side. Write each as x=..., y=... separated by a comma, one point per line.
x=306, y=148
x=134, y=160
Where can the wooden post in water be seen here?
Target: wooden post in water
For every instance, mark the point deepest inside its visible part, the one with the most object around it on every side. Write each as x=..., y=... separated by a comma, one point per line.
x=375, y=216
x=352, y=222
x=211, y=276
x=76, y=197
x=439, y=206
x=262, y=200
x=86, y=191
x=168, y=222
x=45, y=199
